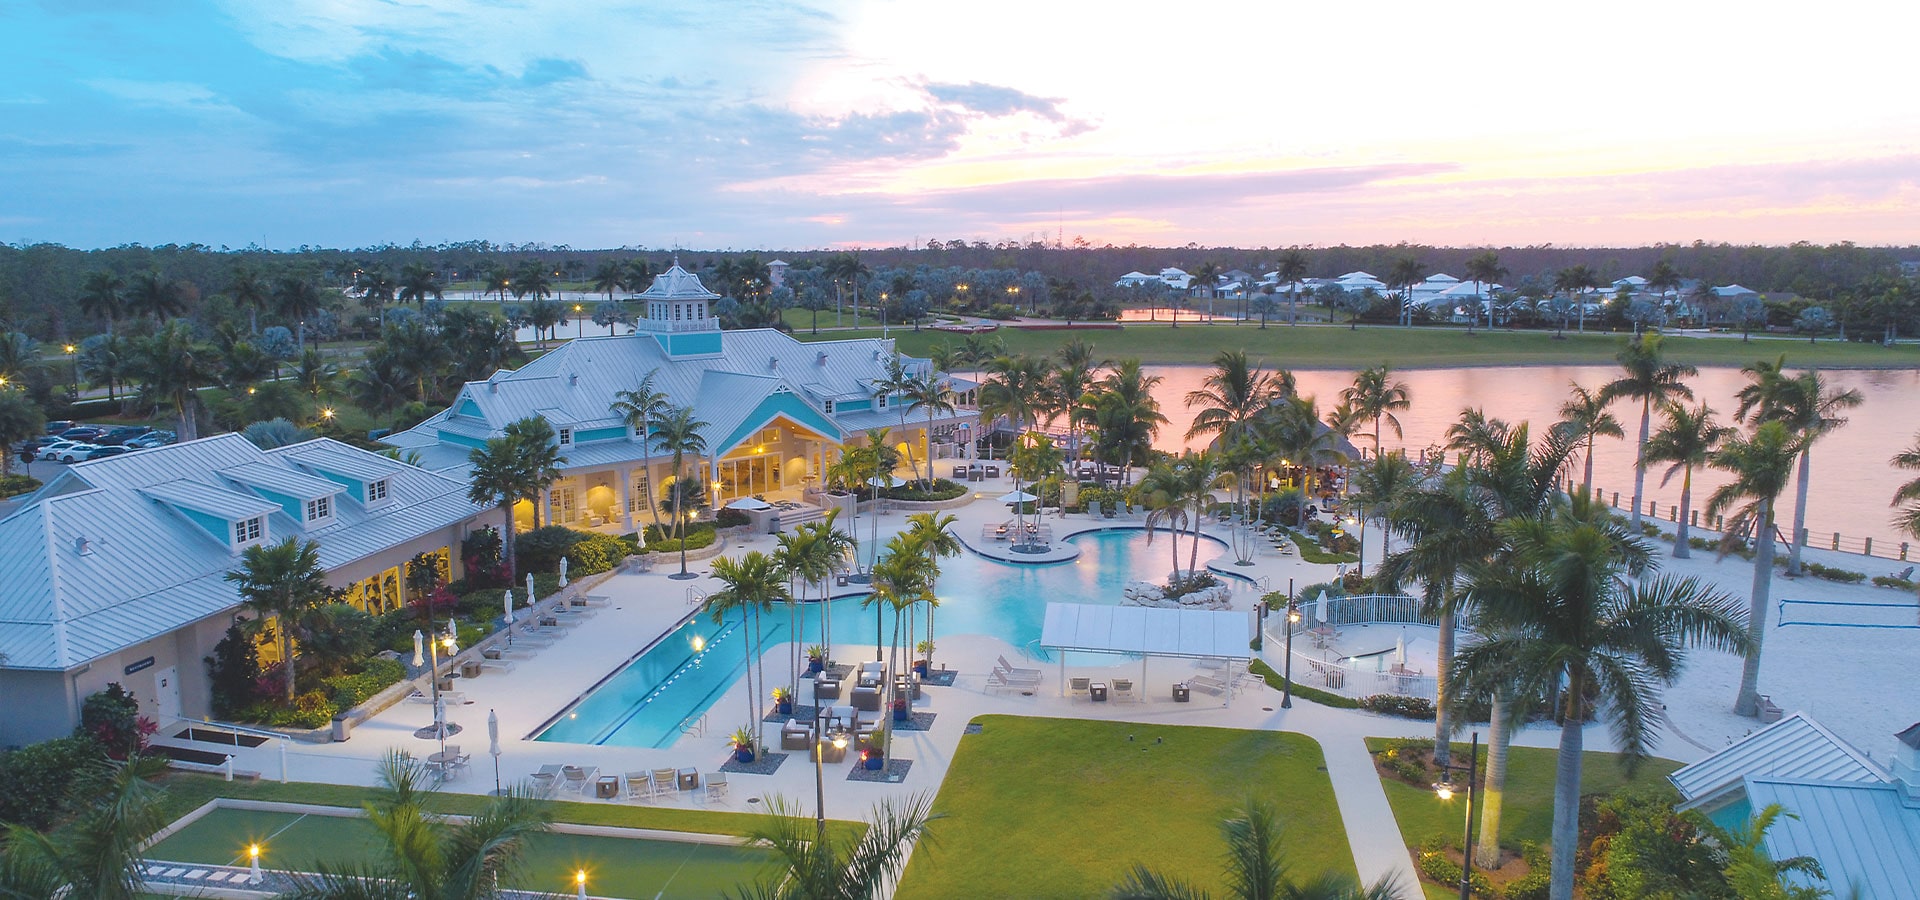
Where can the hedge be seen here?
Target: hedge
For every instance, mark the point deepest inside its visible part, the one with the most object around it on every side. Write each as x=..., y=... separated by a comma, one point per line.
x=14, y=485
x=1324, y=698
x=942, y=489
x=379, y=673
x=36, y=779
x=696, y=539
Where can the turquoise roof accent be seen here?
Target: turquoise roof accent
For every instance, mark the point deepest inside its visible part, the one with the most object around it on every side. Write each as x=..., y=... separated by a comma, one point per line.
x=586, y=435
x=783, y=403
x=221, y=529
x=469, y=409
x=461, y=439
x=693, y=343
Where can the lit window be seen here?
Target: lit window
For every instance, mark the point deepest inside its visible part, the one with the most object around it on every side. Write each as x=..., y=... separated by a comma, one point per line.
x=247, y=531
x=321, y=508
x=377, y=491
x=566, y=437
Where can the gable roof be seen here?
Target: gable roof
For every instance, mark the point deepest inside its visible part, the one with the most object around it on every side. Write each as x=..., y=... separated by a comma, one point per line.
x=103, y=557
x=1794, y=747
x=1865, y=838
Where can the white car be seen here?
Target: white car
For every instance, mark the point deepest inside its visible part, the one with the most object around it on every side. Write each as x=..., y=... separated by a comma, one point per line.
x=77, y=452
x=52, y=451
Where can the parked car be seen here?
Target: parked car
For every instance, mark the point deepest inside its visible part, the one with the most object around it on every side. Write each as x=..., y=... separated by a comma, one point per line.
x=53, y=450
x=58, y=425
x=151, y=439
x=121, y=434
x=82, y=433
x=77, y=452
x=107, y=450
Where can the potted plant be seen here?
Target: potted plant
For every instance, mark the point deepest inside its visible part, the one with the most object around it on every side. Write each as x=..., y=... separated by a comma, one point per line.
x=742, y=742
x=875, y=756
x=925, y=662
x=816, y=659
x=783, y=701
x=902, y=707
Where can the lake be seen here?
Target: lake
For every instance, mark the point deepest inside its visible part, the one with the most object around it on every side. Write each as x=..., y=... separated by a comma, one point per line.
x=1852, y=478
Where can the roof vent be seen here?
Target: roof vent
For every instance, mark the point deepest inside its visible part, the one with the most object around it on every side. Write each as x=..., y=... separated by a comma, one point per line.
x=773, y=362
x=83, y=546
x=493, y=387
x=820, y=359
x=573, y=379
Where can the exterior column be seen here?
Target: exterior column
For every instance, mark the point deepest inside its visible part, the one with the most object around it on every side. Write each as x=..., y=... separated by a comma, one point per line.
x=626, y=497
x=543, y=514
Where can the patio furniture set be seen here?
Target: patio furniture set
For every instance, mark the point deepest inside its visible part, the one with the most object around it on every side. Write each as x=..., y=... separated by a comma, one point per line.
x=586, y=782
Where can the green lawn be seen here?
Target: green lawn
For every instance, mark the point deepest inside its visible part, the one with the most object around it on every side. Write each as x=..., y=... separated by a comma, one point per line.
x=1527, y=814
x=1064, y=807
x=1336, y=347
x=616, y=867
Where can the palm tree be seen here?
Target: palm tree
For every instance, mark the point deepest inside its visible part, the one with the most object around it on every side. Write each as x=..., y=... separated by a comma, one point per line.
x=540, y=457
x=1290, y=272
x=1126, y=413
x=377, y=290
x=158, y=297
x=1654, y=382
x=1177, y=493
x=611, y=276
x=172, y=368
x=1256, y=869
x=754, y=583
x=1299, y=437
x=1016, y=388
x=1584, y=417
x=1908, y=518
x=421, y=353
x=637, y=409
x=1687, y=438
x=1576, y=604
x=418, y=284
x=890, y=390
x=901, y=579
x=798, y=556
x=1665, y=279
x=1811, y=410
x=97, y=854
x=298, y=298
x=283, y=581
x=828, y=550
x=1485, y=271
x=1760, y=465
x=1374, y=395
x=103, y=294
x=497, y=475
x=1575, y=280
x=932, y=392
x=1067, y=388
x=933, y=534
x=426, y=857
x=816, y=865
x=1230, y=397
x=680, y=433
x=1406, y=272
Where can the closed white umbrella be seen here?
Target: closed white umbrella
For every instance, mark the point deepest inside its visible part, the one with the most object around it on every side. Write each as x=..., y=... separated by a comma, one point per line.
x=507, y=603
x=1320, y=608
x=493, y=746
x=530, y=598
x=563, y=571
x=1400, y=649
x=419, y=648
x=452, y=630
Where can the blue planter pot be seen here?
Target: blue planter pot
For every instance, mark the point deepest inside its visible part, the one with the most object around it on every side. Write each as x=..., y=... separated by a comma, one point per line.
x=785, y=707
x=743, y=754
x=873, y=763
x=816, y=666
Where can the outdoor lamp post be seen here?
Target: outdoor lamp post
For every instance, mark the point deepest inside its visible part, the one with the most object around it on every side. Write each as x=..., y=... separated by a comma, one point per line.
x=1360, y=519
x=73, y=379
x=1445, y=790
x=253, y=863
x=1293, y=616
x=580, y=884
x=819, y=766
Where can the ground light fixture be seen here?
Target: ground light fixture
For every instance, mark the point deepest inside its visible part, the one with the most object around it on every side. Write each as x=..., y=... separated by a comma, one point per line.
x=580, y=884
x=253, y=863
x=1445, y=789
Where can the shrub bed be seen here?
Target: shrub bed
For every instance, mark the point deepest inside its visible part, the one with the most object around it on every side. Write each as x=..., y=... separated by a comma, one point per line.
x=698, y=538
x=349, y=691
x=1396, y=705
x=14, y=485
x=942, y=489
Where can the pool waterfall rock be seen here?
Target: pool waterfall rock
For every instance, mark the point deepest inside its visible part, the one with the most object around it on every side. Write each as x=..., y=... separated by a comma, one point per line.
x=1141, y=593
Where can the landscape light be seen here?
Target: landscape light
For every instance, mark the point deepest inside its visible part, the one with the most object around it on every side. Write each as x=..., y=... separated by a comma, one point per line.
x=1443, y=789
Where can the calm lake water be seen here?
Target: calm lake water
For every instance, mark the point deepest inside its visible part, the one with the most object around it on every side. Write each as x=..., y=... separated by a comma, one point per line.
x=1852, y=478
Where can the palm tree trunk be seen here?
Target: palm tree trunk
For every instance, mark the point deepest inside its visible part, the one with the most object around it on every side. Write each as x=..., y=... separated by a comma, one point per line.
x=1443, y=692
x=1586, y=482
x=286, y=657
x=1486, y=852
x=506, y=513
x=1798, y=539
x=1640, y=461
x=1748, y=701
x=1566, y=796
x=1681, y=550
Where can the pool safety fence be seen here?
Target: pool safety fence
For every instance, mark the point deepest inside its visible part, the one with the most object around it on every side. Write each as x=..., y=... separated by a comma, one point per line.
x=1317, y=661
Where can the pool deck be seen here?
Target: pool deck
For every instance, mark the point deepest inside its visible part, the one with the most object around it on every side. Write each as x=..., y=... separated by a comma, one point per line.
x=645, y=606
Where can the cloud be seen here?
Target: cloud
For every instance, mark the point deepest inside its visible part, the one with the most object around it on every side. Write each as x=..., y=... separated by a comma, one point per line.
x=994, y=100
x=548, y=70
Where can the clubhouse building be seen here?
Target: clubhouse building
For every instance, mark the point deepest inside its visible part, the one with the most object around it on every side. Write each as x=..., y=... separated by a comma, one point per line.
x=778, y=412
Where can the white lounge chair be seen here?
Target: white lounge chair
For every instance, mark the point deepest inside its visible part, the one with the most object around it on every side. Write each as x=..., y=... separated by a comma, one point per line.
x=1011, y=669
x=664, y=783
x=638, y=785
x=1209, y=684
x=1079, y=687
x=716, y=786
x=1122, y=689
x=998, y=681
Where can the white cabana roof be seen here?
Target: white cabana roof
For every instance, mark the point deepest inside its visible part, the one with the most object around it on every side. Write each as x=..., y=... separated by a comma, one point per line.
x=1189, y=633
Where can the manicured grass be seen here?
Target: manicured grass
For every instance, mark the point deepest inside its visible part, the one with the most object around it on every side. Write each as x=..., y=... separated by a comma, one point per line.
x=616, y=867
x=1527, y=813
x=1064, y=807
x=1336, y=347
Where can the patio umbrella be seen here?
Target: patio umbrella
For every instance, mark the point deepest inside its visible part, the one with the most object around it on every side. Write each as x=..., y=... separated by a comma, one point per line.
x=1017, y=497
x=419, y=648
x=753, y=503
x=1400, y=649
x=563, y=571
x=452, y=630
x=530, y=600
x=1320, y=608
x=507, y=603
x=493, y=746
x=887, y=482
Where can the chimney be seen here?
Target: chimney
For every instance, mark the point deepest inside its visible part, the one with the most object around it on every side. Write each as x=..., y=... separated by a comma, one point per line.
x=1905, y=764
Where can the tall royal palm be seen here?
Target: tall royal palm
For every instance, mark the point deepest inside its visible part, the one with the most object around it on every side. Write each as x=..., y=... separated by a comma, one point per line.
x=1291, y=270
x=638, y=409
x=1067, y=387
x=891, y=390
x=933, y=534
x=173, y=367
x=1016, y=388
x=1375, y=395
x=1686, y=438
x=496, y=477
x=1575, y=281
x=418, y=284
x=754, y=583
x=1575, y=603
x=1230, y=397
x=1653, y=381
x=250, y=291
x=1760, y=465
x=1177, y=493
x=1256, y=869
x=423, y=856
x=679, y=433
x=1584, y=417
x=1811, y=409
x=1485, y=271
x=158, y=297
x=932, y=393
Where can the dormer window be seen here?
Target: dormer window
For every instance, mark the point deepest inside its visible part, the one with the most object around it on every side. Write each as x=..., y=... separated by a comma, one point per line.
x=566, y=437
x=319, y=509
x=881, y=402
x=249, y=531
x=377, y=491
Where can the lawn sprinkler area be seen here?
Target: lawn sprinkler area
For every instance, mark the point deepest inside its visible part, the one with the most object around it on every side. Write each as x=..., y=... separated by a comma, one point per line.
x=1039, y=807
x=623, y=867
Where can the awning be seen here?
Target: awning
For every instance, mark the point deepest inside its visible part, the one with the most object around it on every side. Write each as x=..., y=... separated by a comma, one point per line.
x=1150, y=631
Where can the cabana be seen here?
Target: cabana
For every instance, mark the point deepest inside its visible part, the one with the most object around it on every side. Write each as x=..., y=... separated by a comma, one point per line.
x=1200, y=634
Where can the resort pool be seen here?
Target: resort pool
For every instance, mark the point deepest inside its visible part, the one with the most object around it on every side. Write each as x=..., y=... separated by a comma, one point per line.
x=675, y=681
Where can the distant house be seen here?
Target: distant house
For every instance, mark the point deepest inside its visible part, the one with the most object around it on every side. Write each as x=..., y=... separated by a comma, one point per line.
x=1135, y=279
x=1356, y=282
x=1860, y=821
x=116, y=569
x=777, y=272
x=1177, y=279
x=1734, y=292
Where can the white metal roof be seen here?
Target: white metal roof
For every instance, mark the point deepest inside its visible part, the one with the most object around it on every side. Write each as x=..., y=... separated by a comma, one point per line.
x=347, y=463
x=677, y=284
x=1866, y=839
x=1795, y=747
x=1191, y=633
x=214, y=501
x=281, y=479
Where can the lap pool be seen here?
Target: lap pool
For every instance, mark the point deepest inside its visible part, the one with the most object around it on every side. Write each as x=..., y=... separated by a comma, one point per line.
x=678, y=678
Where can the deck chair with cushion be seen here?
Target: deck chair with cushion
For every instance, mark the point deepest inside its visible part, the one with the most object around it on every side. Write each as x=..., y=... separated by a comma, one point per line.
x=1011, y=669
x=663, y=783
x=716, y=786
x=1122, y=689
x=638, y=785
x=1079, y=687
x=1208, y=683
x=796, y=735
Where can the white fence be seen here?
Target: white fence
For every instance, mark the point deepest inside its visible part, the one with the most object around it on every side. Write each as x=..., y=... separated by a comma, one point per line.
x=1318, y=664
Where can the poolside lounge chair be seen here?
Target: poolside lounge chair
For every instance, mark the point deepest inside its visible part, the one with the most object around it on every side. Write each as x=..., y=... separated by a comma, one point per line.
x=796, y=735
x=1001, y=681
x=872, y=673
x=1078, y=687
x=1122, y=689
x=576, y=778
x=638, y=784
x=716, y=785
x=545, y=781
x=866, y=697
x=1209, y=684
x=1012, y=669
x=663, y=783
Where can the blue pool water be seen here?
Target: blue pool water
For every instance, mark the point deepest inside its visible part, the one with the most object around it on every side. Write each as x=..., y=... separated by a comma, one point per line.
x=679, y=677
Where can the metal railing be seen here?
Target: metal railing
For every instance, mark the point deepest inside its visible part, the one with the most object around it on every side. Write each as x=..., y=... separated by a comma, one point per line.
x=1857, y=545
x=1317, y=663
x=694, y=726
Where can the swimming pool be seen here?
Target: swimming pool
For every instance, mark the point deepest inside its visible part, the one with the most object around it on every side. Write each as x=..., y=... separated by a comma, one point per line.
x=678, y=678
